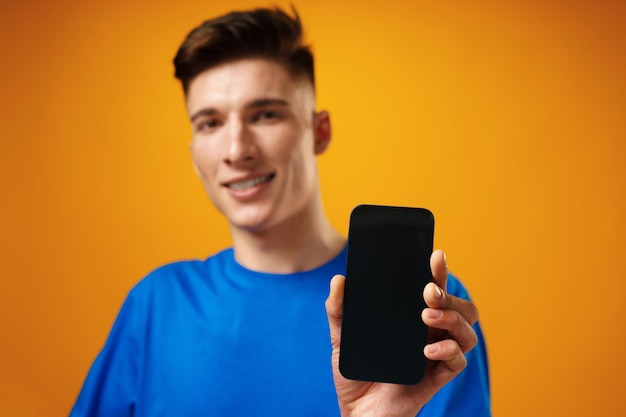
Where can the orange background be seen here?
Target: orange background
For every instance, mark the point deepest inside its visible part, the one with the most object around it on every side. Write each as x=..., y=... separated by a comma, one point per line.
x=506, y=119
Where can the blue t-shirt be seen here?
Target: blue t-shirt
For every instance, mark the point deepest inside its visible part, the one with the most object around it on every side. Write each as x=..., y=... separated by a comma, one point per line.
x=212, y=338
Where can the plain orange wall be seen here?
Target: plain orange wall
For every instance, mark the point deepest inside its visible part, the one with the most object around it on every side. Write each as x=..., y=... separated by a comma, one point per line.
x=506, y=118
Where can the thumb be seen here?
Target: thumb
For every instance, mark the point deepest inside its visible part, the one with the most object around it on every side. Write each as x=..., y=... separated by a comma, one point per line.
x=334, y=308
x=439, y=268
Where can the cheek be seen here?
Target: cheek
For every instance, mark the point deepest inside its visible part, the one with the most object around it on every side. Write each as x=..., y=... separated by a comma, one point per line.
x=295, y=149
x=201, y=157
x=302, y=167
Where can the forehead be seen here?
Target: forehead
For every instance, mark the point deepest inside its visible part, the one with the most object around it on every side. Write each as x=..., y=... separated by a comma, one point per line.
x=239, y=82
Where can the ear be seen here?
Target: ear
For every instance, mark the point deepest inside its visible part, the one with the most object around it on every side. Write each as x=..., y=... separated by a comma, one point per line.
x=322, y=132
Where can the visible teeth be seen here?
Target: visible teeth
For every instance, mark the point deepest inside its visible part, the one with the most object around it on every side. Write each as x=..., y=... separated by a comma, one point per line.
x=244, y=185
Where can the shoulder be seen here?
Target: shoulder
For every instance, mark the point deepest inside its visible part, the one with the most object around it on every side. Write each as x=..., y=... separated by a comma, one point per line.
x=185, y=269
x=169, y=274
x=176, y=277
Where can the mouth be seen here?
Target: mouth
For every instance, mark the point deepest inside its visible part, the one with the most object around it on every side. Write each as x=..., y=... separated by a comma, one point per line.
x=247, y=184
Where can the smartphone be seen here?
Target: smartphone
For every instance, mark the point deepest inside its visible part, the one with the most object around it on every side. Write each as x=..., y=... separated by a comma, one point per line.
x=388, y=265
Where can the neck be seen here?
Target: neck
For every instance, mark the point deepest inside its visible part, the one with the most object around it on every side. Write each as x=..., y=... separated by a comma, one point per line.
x=300, y=243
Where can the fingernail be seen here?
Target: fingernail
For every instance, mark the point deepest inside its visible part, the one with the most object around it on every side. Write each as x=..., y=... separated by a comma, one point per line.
x=438, y=292
x=433, y=313
x=445, y=260
x=431, y=349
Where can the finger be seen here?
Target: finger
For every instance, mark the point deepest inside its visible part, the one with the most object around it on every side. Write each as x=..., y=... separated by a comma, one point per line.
x=435, y=297
x=450, y=357
x=455, y=325
x=334, y=308
x=439, y=298
x=439, y=268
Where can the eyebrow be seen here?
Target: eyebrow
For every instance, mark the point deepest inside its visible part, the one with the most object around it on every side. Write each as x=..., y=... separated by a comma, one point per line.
x=267, y=102
x=263, y=102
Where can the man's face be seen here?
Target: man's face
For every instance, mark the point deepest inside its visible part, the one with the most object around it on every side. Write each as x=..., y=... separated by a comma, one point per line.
x=255, y=138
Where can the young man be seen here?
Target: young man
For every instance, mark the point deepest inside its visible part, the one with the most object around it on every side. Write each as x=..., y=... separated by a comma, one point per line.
x=245, y=332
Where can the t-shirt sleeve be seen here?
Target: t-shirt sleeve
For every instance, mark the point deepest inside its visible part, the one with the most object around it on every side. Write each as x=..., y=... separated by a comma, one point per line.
x=109, y=389
x=467, y=395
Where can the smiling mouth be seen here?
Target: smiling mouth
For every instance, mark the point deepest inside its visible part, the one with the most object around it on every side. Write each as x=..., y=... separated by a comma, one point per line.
x=244, y=185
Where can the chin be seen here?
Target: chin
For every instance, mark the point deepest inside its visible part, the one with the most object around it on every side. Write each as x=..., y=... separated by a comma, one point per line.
x=251, y=222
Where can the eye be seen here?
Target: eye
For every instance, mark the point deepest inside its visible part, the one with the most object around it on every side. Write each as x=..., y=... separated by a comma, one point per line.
x=207, y=125
x=266, y=116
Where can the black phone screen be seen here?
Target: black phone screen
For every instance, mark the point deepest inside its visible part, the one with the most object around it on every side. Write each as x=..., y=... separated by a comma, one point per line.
x=388, y=266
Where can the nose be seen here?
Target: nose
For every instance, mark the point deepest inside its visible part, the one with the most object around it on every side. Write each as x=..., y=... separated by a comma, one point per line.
x=240, y=144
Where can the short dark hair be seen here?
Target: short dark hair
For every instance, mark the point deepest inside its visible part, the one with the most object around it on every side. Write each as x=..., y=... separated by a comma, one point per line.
x=260, y=33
